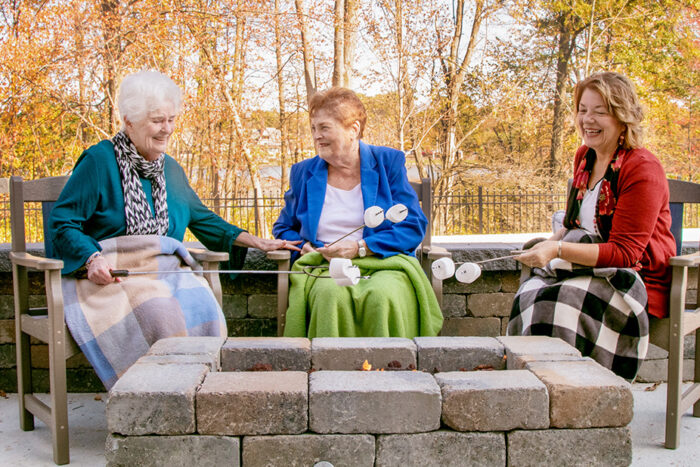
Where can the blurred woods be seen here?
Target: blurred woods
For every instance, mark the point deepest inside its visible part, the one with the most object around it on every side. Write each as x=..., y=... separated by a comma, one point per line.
x=475, y=92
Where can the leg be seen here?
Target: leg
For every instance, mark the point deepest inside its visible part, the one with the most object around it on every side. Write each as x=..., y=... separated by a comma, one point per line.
x=57, y=368
x=24, y=361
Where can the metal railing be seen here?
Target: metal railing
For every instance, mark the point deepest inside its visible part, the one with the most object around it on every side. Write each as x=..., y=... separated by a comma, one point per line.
x=482, y=211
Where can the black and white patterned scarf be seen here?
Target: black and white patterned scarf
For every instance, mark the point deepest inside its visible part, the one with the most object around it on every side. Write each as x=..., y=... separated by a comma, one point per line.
x=139, y=220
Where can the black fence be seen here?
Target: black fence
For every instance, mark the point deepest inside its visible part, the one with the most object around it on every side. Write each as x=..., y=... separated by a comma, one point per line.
x=482, y=211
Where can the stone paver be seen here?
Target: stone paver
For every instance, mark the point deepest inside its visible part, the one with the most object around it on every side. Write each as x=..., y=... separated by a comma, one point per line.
x=441, y=449
x=266, y=353
x=253, y=403
x=349, y=353
x=604, y=447
x=482, y=305
x=534, y=345
x=373, y=402
x=521, y=362
x=197, y=359
x=206, y=345
x=308, y=449
x=155, y=399
x=583, y=394
x=172, y=451
x=493, y=400
x=471, y=327
x=458, y=353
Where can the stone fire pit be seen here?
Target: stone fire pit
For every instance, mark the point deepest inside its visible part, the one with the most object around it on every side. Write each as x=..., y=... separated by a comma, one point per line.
x=438, y=401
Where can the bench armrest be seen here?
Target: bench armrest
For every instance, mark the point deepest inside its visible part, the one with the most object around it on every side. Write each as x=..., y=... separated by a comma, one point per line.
x=690, y=260
x=436, y=252
x=204, y=255
x=35, y=262
x=279, y=255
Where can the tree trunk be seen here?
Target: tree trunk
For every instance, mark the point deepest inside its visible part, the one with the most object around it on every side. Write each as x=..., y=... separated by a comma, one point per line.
x=111, y=36
x=566, y=40
x=349, y=41
x=283, y=123
x=307, y=50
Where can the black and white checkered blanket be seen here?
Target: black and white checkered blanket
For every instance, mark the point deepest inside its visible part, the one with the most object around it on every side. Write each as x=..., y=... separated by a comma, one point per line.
x=600, y=311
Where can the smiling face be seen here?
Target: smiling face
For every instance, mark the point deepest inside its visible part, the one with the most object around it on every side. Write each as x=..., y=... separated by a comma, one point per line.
x=151, y=135
x=336, y=144
x=600, y=129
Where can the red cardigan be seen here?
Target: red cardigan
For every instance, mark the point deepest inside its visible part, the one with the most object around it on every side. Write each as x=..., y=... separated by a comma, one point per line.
x=640, y=236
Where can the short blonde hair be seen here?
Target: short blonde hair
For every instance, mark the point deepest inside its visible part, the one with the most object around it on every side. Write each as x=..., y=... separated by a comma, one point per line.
x=619, y=95
x=342, y=104
x=145, y=91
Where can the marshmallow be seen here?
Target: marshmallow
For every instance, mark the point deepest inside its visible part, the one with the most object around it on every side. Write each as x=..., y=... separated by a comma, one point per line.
x=397, y=213
x=443, y=268
x=468, y=273
x=344, y=272
x=374, y=216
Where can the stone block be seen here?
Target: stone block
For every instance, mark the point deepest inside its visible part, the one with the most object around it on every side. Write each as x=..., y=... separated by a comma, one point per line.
x=196, y=359
x=522, y=362
x=7, y=331
x=155, y=399
x=172, y=451
x=266, y=353
x=504, y=325
x=8, y=356
x=262, y=306
x=269, y=402
x=454, y=305
x=373, y=402
x=510, y=282
x=656, y=352
x=252, y=327
x=493, y=400
x=583, y=394
x=471, y=327
x=308, y=449
x=604, y=447
x=349, y=353
x=441, y=448
x=653, y=371
x=543, y=346
x=456, y=353
x=7, y=302
x=482, y=305
x=489, y=282
x=189, y=346
x=235, y=306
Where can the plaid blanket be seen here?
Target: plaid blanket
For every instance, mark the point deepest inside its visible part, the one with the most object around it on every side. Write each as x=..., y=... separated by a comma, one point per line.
x=115, y=324
x=600, y=311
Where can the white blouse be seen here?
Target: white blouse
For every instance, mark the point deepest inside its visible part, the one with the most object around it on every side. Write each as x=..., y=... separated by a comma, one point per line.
x=343, y=211
x=586, y=214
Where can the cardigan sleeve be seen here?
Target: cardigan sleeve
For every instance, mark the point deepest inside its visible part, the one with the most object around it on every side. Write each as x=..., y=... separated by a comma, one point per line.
x=643, y=192
x=215, y=233
x=287, y=226
x=405, y=236
x=72, y=211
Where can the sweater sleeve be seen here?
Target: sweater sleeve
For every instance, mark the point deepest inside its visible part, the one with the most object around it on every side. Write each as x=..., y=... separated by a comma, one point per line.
x=643, y=192
x=405, y=236
x=73, y=209
x=215, y=233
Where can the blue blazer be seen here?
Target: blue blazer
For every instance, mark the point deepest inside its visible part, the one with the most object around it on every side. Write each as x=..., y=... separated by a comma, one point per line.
x=384, y=183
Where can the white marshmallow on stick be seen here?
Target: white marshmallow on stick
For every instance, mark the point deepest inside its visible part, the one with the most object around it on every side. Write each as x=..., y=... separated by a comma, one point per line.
x=374, y=216
x=343, y=272
x=397, y=213
x=443, y=268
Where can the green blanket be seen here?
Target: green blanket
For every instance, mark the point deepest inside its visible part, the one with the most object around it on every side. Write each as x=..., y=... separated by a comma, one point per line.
x=397, y=301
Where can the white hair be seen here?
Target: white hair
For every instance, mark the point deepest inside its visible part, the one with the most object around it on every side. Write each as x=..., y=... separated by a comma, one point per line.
x=146, y=91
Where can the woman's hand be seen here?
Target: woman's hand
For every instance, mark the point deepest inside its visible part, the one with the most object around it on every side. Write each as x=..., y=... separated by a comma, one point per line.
x=539, y=255
x=307, y=248
x=342, y=249
x=246, y=239
x=98, y=271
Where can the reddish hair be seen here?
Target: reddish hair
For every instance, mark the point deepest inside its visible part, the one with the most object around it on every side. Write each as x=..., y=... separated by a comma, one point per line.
x=342, y=103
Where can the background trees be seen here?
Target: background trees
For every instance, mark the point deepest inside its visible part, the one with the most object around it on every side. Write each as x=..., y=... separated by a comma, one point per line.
x=474, y=91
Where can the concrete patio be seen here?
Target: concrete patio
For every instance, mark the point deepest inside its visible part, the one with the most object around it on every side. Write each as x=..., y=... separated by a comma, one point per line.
x=88, y=432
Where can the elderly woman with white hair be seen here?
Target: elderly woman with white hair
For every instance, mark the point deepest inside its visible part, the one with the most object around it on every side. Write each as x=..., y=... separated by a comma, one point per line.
x=124, y=188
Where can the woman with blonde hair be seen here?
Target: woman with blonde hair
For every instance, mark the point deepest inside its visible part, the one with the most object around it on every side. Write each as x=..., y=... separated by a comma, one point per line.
x=616, y=232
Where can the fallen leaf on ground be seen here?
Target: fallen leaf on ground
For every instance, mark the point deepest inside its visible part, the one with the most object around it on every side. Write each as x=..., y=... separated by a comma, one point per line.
x=652, y=387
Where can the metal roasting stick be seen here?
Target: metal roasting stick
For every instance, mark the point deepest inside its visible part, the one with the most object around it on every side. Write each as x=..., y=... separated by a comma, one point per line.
x=513, y=255
x=353, y=231
x=126, y=272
